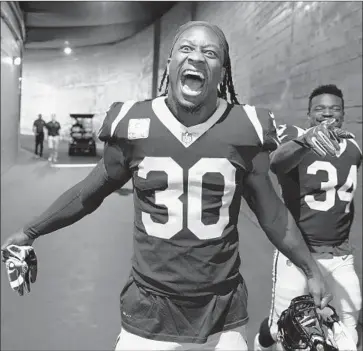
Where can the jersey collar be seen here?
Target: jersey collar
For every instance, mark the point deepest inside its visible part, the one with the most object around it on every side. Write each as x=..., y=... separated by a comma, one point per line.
x=186, y=135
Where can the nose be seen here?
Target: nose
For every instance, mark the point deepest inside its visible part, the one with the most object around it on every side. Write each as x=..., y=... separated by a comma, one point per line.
x=195, y=56
x=327, y=112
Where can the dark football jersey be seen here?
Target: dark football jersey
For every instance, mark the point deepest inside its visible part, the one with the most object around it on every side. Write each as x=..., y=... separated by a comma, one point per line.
x=188, y=183
x=319, y=191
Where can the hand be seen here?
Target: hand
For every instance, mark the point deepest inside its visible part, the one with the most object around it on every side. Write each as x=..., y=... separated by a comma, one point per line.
x=318, y=290
x=18, y=238
x=324, y=138
x=21, y=266
x=321, y=139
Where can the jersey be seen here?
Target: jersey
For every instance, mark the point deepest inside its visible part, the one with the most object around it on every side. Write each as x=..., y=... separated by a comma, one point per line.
x=39, y=124
x=188, y=183
x=53, y=128
x=319, y=191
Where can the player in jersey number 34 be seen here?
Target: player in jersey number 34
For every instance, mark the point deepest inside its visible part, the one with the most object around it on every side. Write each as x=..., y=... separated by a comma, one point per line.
x=318, y=190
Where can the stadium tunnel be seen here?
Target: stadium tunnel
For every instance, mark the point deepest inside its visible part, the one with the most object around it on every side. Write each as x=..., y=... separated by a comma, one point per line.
x=280, y=51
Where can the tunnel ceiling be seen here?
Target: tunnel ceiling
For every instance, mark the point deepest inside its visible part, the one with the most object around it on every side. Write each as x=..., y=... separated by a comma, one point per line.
x=54, y=25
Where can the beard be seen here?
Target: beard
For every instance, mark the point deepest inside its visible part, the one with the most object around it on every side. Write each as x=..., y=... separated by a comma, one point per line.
x=189, y=108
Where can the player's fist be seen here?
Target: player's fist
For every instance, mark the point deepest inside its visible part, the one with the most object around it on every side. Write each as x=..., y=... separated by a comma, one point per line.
x=321, y=139
x=19, y=238
x=21, y=266
x=318, y=290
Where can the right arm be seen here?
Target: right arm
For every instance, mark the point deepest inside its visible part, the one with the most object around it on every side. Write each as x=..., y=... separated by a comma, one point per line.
x=110, y=174
x=287, y=156
x=323, y=139
x=77, y=202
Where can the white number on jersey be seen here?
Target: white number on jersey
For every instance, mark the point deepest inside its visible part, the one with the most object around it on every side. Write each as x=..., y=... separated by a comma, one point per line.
x=329, y=187
x=170, y=196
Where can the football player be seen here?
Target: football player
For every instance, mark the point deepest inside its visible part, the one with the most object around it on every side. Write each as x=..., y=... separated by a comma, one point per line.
x=318, y=190
x=190, y=155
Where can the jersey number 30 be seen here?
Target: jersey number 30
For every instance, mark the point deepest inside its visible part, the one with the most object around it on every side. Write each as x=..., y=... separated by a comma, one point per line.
x=170, y=197
x=330, y=187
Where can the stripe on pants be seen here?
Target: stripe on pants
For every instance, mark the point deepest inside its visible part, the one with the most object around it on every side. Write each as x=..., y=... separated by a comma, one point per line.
x=274, y=279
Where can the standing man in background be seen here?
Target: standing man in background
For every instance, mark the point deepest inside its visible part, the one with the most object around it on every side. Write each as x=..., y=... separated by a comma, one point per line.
x=53, y=128
x=38, y=129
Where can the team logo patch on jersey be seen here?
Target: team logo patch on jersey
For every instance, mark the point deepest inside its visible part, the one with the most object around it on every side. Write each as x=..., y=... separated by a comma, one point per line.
x=138, y=128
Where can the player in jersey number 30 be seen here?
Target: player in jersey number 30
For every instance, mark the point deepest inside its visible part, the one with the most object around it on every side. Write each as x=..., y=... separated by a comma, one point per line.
x=191, y=153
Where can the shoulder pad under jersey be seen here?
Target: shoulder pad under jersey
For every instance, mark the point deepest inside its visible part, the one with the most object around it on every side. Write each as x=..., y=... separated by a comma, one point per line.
x=287, y=132
x=114, y=115
x=359, y=156
x=264, y=123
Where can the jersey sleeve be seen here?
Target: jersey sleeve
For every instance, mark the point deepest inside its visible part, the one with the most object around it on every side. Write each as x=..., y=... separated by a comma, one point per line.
x=287, y=132
x=115, y=156
x=358, y=150
x=117, y=149
x=106, y=132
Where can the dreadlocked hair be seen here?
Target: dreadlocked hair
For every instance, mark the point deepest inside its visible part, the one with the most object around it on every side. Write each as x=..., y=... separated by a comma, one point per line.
x=225, y=86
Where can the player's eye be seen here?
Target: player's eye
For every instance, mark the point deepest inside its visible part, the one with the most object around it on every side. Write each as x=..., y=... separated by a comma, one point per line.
x=210, y=53
x=318, y=108
x=337, y=108
x=186, y=48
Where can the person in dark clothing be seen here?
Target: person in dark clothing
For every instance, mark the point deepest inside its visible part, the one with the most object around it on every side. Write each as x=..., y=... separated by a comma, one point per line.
x=38, y=129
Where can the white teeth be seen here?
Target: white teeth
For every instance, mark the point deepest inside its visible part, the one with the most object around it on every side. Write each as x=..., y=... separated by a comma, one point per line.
x=194, y=73
x=187, y=91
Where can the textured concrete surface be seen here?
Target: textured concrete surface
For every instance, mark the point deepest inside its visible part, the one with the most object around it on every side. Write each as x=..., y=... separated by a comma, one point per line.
x=282, y=50
x=10, y=88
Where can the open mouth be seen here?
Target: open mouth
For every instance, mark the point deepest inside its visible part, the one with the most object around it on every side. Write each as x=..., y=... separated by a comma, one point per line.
x=192, y=82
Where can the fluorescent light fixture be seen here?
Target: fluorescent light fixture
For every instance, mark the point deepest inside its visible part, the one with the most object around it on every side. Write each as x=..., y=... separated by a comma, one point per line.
x=67, y=50
x=17, y=61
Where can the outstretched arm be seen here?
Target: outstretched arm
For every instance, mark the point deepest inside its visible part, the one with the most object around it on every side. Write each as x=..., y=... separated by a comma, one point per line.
x=280, y=227
x=77, y=202
x=322, y=139
x=287, y=156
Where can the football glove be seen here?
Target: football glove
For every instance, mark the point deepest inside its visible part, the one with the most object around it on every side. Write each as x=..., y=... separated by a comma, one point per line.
x=21, y=265
x=324, y=138
x=300, y=327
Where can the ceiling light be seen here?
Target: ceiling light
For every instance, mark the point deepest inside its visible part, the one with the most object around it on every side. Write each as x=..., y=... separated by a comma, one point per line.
x=67, y=50
x=17, y=61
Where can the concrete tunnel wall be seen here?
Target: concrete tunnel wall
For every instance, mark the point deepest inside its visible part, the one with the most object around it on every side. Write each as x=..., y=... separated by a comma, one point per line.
x=280, y=51
x=11, y=47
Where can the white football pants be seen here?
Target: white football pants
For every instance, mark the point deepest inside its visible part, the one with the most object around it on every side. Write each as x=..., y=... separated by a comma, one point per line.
x=290, y=282
x=234, y=339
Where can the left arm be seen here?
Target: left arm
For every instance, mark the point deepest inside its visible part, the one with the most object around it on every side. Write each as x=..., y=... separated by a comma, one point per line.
x=280, y=227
